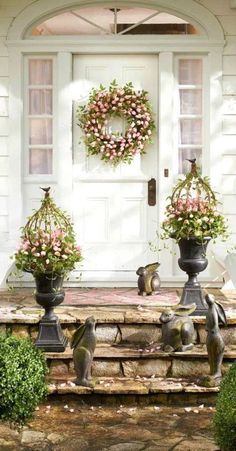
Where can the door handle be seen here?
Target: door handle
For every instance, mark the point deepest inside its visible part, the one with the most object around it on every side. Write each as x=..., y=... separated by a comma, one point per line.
x=152, y=192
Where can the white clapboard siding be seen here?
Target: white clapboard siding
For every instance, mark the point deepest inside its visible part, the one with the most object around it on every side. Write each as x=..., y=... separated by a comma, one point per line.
x=4, y=25
x=3, y=205
x=3, y=186
x=229, y=144
x=6, y=17
x=3, y=47
x=229, y=205
x=218, y=7
x=228, y=24
x=4, y=69
x=12, y=9
x=229, y=164
x=4, y=166
x=3, y=106
x=3, y=146
x=229, y=64
x=4, y=126
x=231, y=222
x=229, y=84
x=4, y=86
x=230, y=45
x=229, y=184
x=229, y=125
x=3, y=224
x=229, y=105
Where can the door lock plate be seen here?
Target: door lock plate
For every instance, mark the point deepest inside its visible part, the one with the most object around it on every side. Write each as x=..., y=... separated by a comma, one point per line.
x=152, y=192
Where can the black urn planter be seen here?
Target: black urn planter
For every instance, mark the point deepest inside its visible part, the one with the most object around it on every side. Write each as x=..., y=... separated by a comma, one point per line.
x=49, y=294
x=193, y=261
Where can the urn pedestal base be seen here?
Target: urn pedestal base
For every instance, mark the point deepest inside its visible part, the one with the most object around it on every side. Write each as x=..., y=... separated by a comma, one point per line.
x=50, y=337
x=194, y=295
x=49, y=294
x=193, y=261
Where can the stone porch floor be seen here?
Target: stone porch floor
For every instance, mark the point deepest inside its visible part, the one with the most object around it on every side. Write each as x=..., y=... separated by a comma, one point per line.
x=108, y=304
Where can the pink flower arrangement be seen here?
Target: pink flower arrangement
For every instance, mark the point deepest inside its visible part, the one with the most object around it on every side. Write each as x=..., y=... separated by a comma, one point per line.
x=122, y=102
x=48, y=252
x=193, y=210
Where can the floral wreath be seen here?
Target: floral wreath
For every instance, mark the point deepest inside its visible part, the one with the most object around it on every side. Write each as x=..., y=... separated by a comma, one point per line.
x=116, y=102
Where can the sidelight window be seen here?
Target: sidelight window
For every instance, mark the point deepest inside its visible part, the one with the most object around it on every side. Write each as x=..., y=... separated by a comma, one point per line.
x=189, y=75
x=39, y=116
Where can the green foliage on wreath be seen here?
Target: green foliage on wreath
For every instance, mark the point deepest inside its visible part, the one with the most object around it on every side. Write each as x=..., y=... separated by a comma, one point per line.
x=123, y=102
x=22, y=378
x=225, y=416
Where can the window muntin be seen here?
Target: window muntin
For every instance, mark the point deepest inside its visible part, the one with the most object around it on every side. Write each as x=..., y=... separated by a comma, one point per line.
x=111, y=20
x=189, y=76
x=39, y=109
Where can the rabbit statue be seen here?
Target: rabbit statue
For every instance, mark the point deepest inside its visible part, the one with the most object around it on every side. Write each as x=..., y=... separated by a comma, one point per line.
x=215, y=344
x=149, y=280
x=177, y=328
x=83, y=345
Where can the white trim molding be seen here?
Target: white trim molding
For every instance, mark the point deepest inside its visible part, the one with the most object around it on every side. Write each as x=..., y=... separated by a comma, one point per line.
x=190, y=10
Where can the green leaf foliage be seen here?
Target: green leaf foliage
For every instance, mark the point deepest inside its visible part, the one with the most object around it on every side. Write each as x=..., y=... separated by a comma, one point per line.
x=225, y=416
x=23, y=370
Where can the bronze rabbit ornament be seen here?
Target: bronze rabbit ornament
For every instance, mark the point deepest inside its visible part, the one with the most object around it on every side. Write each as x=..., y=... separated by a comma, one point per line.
x=177, y=328
x=83, y=345
x=149, y=280
x=214, y=342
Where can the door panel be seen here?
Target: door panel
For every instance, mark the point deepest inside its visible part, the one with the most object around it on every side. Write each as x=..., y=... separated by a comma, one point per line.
x=113, y=221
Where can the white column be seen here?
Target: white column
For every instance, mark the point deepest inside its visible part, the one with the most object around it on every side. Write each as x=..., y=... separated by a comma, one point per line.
x=214, y=103
x=166, y=149
x=63, y=135
x=15, y=144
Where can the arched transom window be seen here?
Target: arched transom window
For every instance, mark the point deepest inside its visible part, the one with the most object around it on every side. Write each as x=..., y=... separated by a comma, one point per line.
x=114, y=21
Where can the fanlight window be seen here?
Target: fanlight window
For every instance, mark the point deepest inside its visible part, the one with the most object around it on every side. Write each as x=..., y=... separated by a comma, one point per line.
x=113, y=21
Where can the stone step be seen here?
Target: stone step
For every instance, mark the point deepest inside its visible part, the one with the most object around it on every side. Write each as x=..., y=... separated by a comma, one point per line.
x=124, y=361
x=116, y=324
x=113, y=327
x=163, y=391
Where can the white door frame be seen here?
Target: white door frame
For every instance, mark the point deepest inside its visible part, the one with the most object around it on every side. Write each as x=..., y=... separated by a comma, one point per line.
x=64, y=54
x=210, y=44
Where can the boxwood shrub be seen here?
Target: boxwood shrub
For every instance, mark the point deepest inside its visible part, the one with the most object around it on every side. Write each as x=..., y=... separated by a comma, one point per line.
x=225, y=416
x=22, y=378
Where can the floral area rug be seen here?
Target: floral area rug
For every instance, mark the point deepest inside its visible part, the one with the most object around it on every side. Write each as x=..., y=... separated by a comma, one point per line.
x=118, y=296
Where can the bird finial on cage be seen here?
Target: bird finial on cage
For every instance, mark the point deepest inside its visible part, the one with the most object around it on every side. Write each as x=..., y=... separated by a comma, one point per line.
x=193, y=165
x=46, y=190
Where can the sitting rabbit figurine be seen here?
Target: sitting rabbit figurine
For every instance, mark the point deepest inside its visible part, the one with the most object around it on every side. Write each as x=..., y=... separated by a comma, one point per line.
x=177, y=328
x=215, y=343
x=149, y=280
x=83, y=345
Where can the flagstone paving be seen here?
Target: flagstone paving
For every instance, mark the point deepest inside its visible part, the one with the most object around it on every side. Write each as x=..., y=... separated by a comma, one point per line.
x=69, y=425
x=19, y=306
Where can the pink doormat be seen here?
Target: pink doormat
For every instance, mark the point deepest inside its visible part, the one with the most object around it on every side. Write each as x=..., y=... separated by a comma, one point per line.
x=118, y=296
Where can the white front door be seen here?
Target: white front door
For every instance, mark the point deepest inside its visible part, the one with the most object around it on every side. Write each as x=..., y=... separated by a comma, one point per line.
x=112, y=218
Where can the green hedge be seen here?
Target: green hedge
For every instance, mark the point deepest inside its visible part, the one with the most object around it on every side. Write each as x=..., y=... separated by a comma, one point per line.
x=22, y=378
x=225, y=416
